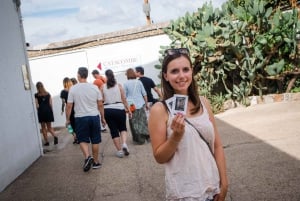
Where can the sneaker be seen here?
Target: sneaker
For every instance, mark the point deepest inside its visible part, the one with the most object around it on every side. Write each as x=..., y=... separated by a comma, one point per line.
x=46, y=144
x=88, y=163
x=103, y=129
x=120, y=154
x=55, y=140
x=97, y=165
x=125, y=149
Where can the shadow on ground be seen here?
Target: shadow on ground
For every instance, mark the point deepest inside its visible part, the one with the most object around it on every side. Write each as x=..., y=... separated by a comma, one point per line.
x=257, y=170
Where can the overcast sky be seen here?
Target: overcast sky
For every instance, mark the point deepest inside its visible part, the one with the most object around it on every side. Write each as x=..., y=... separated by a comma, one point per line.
x=58, y=20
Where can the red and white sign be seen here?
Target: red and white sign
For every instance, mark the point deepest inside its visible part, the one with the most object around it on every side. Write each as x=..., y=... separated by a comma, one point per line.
x=119, y=64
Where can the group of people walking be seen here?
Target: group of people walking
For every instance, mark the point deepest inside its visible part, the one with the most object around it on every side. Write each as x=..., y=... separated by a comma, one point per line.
x=187, y=142
x=110, y=104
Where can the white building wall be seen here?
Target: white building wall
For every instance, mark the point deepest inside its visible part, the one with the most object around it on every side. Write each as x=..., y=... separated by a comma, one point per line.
x=20, y=143
x=118, y=56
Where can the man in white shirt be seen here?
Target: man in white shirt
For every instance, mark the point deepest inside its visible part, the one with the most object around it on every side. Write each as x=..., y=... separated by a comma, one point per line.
x=88, y=104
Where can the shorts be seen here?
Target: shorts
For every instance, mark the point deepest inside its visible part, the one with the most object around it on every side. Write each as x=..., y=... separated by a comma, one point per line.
x=116, y=121
x=88, y=129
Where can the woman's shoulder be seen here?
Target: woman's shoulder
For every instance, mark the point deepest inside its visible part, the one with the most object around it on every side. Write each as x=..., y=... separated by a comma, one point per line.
x=64, y=91
x=158, y=112
x=159, y=107
x=119, y=85
x=42, y=95
x=204, y=101
x=130, y=82
x=126, y=82
x=207, y=106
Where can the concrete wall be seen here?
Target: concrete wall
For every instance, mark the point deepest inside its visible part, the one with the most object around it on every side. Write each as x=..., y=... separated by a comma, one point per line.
x=117, y=56
x=20, y=143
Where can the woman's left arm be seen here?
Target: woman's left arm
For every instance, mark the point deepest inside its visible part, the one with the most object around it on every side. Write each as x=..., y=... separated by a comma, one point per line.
x=124, y=101
x=144, y=94
x=146, y=102
x=219, y=156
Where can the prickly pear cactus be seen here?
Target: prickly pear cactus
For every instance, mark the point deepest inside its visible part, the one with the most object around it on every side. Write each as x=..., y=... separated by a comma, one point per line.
x=238, y=49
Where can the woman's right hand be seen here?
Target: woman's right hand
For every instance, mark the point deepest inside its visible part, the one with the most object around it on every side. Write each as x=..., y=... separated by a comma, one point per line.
x=67, y=123
x=129, y=114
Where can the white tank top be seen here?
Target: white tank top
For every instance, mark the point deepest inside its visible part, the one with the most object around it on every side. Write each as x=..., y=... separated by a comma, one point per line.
x=192, y=173
x=112, y=97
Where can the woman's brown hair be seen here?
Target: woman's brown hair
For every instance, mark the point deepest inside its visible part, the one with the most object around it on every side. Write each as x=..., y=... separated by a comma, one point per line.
x=67, y=83
x=130, y=74
x=111, y=80
x=40, y=89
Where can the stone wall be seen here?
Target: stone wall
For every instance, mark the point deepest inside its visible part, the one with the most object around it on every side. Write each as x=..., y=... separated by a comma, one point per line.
x=270, y=98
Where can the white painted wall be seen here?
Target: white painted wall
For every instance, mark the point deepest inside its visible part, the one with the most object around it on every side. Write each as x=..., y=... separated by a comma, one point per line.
x=118, y=56
x=20, y=143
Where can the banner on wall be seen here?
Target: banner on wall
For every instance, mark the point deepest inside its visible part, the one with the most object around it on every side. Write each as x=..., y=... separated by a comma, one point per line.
x=119, y=64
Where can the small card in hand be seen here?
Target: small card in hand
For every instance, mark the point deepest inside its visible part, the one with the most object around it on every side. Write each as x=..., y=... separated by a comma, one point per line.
x=177, y=104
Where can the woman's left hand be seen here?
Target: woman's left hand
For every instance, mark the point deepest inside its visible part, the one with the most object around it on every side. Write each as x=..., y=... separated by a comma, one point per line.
x=147, y=107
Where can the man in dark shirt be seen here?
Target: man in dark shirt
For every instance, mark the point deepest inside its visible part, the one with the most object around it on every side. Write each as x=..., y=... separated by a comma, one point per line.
x=148, y=84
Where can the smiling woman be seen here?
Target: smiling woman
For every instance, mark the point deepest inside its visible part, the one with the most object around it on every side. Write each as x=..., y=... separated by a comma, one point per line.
x=182, y=146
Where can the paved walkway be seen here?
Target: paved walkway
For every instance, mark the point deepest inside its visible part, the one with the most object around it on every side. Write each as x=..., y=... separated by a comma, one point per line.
x=262, y=145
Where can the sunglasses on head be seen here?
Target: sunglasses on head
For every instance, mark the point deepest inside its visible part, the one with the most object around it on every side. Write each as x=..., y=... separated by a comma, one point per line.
x=170, y=52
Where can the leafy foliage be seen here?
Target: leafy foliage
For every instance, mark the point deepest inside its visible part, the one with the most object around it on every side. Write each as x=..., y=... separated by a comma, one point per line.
x=244, y=49
x=217, y=102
